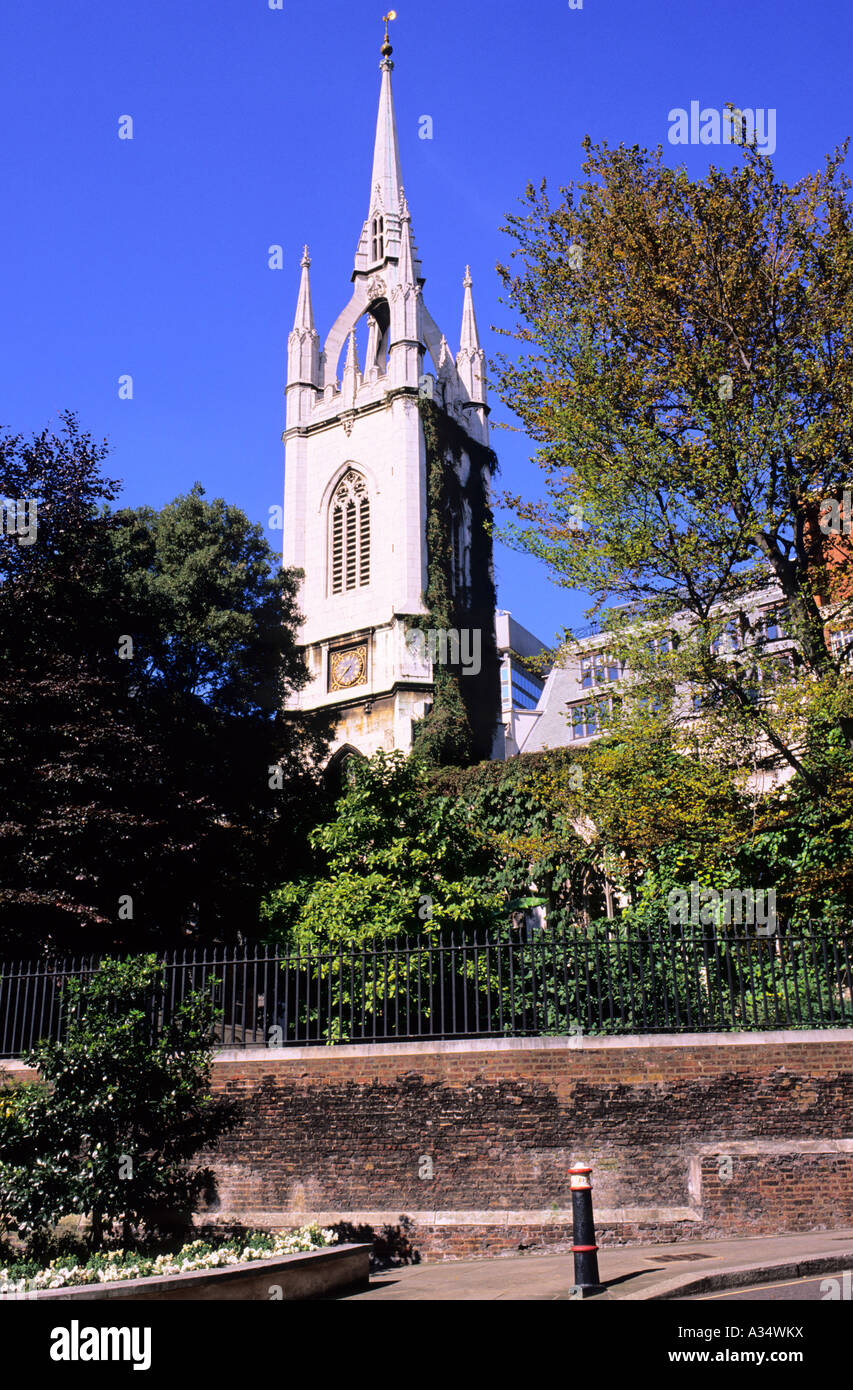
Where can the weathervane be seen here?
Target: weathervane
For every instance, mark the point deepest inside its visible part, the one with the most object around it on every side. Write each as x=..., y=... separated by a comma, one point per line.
x=387, y=50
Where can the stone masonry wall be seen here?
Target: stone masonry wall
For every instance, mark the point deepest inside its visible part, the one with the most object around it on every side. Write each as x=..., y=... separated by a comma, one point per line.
x=443, y=1150
x=459, y=1149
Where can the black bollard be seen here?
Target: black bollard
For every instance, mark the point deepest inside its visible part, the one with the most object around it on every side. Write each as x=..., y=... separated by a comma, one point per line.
x=584, y=1247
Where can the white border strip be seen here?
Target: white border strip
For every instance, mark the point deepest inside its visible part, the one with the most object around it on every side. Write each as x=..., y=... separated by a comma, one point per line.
x=580, y=1042
x=548, y=1216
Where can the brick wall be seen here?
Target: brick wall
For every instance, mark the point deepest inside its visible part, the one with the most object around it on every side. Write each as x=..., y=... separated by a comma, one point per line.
x=744, y=1134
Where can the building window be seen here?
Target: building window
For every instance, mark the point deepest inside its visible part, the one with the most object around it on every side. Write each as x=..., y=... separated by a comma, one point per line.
x=728, y=640
x=586, y=718
x=519, y=689
x=378, y=239
x=598, y=668
x=526, y=690
x=774, y=624
x=349, y=539
x=841, y=644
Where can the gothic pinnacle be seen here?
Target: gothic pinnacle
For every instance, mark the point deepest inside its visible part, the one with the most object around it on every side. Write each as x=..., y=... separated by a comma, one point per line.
x=470, y=337
x=304, y=308
x=351, y=363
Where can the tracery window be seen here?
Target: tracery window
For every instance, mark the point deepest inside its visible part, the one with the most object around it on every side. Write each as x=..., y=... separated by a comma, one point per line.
x=349, y=538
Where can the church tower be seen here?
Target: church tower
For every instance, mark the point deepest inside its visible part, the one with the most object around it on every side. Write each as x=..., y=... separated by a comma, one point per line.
x=386, y=496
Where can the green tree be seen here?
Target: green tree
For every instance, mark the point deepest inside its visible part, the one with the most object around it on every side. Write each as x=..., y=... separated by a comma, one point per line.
x=52, y=586
x=153, y=786
x=396, y=871
x=396, y=860
x=646, y=797
x=530, y=810
x=626, y=810
x=686, y=368
x=110, y=1129
x=802, y=842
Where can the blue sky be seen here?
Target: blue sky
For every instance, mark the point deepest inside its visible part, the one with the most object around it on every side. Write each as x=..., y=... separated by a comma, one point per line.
x=254, y=127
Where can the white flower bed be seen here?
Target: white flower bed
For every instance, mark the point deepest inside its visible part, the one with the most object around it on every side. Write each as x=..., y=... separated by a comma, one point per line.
x=196, y=1255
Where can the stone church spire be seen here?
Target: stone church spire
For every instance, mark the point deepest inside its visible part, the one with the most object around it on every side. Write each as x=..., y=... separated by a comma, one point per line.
x=357, y=504
x=380, y=236
x=386, y=180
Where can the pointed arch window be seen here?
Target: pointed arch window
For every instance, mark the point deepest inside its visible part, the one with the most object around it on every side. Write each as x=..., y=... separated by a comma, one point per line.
x=378, y=238
x=349, y=534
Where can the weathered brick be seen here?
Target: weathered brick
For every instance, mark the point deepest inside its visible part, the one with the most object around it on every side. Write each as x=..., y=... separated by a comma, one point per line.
x=345, y=1134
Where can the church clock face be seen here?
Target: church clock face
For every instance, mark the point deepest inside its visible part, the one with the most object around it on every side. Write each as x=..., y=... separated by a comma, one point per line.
x=348, y=667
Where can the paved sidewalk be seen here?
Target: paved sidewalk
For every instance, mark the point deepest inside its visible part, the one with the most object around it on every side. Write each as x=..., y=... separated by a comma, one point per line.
x=631, y=1272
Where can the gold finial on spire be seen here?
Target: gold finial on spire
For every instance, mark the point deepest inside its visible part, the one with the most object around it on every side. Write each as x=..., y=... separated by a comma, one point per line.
x=386, y=49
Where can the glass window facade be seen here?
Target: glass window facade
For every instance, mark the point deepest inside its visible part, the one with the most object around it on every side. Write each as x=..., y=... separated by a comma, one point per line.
x=519, y=688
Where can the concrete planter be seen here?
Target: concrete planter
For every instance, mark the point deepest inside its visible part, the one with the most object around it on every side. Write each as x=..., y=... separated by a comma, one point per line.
x=317, y=1274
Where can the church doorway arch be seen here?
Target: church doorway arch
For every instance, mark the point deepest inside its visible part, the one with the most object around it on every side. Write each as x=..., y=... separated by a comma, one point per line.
x=340, y=768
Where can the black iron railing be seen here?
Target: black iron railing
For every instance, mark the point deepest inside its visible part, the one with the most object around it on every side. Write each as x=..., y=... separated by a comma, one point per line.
x=596, y=981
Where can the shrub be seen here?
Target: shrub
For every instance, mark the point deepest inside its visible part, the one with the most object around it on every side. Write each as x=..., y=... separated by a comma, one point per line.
x=110, y=1128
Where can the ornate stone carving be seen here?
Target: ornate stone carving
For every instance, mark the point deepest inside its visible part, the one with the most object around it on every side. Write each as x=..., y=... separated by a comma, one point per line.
x=352, y=484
